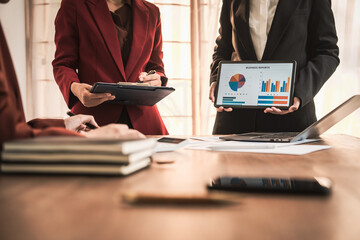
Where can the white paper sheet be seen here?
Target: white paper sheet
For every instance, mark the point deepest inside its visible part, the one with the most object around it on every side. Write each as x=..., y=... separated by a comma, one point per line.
x=205, y=139
x=296, y=148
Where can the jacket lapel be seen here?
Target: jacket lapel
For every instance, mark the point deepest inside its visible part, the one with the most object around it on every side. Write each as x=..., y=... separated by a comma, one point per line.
x=102, y=17
x=240, y=11
x=284, y=12
x=140, y=31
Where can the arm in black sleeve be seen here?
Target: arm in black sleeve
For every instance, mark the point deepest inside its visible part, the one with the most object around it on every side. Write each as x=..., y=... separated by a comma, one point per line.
x=223, y=48
x=322, y=50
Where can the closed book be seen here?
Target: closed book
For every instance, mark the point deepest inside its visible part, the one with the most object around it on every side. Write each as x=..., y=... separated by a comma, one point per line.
x=79, y=144
x=74, y=157
x=74, y=168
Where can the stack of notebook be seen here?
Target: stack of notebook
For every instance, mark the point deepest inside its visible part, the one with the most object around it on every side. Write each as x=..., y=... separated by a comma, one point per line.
x=76, y=155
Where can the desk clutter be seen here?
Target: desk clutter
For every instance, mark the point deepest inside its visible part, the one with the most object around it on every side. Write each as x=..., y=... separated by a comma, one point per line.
x=76, y=155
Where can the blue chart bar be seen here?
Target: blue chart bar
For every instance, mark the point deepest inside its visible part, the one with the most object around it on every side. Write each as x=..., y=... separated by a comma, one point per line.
x=268, y=100
x=230, y=100
x=272, y=87
x=265, y=102
x=263, y=87
x=234, y=103
x=266, y=97
x=283, y=87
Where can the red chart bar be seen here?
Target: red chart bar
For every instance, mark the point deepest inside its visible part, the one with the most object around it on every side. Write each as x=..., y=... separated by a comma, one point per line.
x=266, y=87
x=287, y=85
x=280, y=97
x=279, y=102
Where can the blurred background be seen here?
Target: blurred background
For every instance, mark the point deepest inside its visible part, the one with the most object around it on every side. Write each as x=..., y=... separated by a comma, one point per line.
x=189, y=29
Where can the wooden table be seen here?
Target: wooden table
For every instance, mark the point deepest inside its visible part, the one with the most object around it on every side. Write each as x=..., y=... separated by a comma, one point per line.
x=80, y=207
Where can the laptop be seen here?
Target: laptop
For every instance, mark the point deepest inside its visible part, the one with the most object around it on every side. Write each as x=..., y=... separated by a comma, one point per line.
x=311, y=132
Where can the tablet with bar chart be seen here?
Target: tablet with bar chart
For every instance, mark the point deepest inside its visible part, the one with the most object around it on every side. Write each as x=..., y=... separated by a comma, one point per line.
x=243, y=84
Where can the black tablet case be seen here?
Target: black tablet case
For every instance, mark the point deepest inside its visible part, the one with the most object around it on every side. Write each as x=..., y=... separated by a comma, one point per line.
x=256, y=107
x=132, y=94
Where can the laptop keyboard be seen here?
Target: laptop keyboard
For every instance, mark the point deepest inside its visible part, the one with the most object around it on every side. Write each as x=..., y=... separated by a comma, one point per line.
x=279, y=135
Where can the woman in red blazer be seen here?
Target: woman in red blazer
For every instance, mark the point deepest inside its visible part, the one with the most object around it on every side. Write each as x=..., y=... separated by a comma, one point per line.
x=91, y=47
x=12, y=117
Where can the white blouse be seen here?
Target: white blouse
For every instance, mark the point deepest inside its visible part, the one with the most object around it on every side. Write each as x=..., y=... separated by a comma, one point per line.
x=262, y=13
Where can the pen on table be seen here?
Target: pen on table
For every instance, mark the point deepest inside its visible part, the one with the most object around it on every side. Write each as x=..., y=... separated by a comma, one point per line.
x=147, y=74
x=89, y=125
x=149, y=198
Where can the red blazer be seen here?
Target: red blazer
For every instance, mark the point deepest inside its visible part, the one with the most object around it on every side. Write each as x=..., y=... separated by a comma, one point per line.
x=12, y=118
x=88, y=51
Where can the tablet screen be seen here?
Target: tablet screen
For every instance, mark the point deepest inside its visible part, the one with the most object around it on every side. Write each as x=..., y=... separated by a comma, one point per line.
x=255, y=84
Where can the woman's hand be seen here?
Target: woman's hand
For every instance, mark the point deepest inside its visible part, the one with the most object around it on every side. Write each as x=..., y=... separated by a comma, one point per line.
x=119, y=131
x=77, y=123
x=88, y=99
x=291, y=109
x=152, y=79
x=212, y=98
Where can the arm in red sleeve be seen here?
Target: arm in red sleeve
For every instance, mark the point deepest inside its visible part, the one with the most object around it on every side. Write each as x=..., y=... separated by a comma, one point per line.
x=45, y=123
x=155, y=62
x=50, y=127
x=66, y=59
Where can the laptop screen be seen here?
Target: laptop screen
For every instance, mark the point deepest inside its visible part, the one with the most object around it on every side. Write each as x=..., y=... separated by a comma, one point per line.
x=255, y=84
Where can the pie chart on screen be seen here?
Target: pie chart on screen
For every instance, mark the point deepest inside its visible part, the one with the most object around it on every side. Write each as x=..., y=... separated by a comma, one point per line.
x=237, y=81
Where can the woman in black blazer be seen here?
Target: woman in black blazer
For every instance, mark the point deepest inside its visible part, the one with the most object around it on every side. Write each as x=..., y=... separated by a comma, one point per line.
x=301, y=30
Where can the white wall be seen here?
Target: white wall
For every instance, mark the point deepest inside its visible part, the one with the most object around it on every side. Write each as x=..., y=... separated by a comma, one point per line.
x=12, y=17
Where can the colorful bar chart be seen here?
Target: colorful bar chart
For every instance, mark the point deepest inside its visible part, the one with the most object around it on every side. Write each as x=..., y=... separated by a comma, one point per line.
x=230, y=101
x=268, y=86
x=273, y=100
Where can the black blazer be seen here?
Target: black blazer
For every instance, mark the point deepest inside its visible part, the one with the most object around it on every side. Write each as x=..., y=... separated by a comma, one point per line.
x=302, y=30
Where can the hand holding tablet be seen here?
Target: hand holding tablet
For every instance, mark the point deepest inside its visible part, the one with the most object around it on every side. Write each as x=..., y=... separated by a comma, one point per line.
x=292, y=108
x=262, y=84
x=212, y=98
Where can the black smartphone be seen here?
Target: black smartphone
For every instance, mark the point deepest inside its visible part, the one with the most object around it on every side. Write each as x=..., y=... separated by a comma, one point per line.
x=314, y=185
x=171, y=140
x=168, y=144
